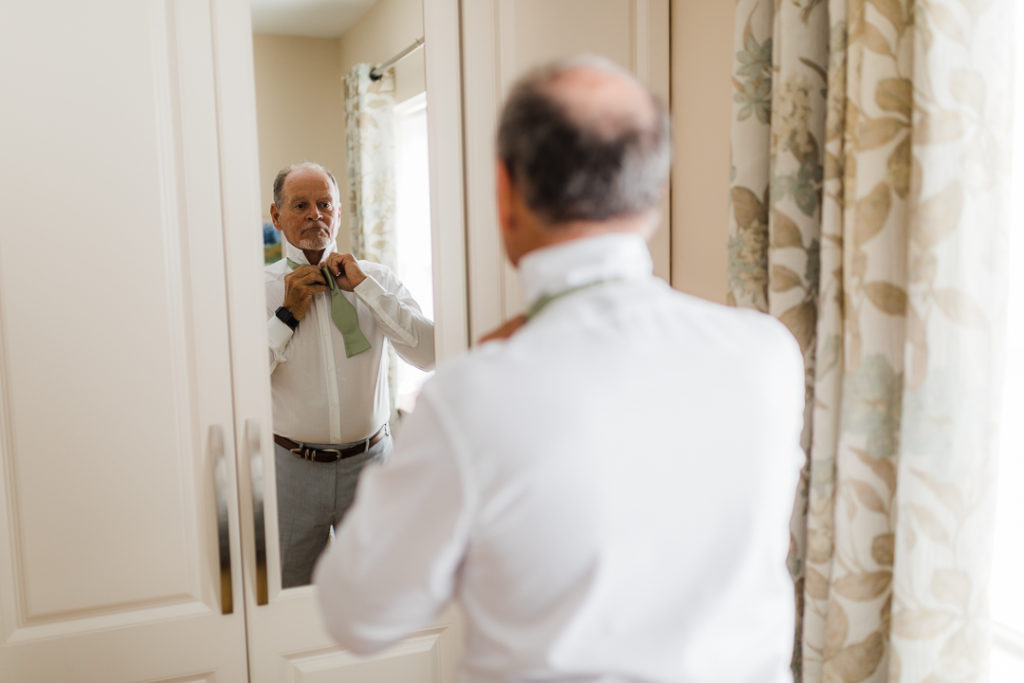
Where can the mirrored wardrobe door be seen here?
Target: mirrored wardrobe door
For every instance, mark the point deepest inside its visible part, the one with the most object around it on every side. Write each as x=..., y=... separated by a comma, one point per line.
x=298, y=113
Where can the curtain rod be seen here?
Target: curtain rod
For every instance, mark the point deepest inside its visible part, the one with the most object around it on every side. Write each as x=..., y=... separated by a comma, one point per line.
x=377, y=72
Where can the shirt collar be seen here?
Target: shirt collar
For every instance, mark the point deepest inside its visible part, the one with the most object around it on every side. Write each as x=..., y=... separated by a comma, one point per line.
x=570, y=264
x=295, y=254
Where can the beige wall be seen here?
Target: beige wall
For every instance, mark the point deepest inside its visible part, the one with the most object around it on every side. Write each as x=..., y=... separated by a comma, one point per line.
x=701, y=102
x=300, y=104
x=386, y=29
x=300, y=111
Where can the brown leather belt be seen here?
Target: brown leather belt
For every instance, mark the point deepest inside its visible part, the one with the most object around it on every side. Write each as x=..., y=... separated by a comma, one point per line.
x=300, y=450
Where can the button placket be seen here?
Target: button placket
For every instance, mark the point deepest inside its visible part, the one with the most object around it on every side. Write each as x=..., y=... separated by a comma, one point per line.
x=333, y=398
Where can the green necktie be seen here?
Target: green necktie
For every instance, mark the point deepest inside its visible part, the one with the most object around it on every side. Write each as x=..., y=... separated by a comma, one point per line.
x=344, y=315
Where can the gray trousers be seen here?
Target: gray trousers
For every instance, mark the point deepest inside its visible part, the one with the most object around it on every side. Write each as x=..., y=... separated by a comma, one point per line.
x=311, y=498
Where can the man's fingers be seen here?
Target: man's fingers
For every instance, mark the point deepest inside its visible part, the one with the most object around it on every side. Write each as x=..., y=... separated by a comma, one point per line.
x=335, y=263
x=315, y=278
x=306, y=277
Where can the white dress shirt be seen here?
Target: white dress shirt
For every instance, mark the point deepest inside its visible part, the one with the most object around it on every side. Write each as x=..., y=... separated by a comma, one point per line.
x=319, y=395
x=607, y=493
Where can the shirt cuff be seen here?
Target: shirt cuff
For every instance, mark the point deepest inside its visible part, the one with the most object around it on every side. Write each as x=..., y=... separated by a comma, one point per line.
x=386, y=307
x=369, y=289
x=278, y=336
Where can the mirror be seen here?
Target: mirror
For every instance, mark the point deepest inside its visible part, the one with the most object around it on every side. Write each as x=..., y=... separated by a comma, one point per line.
x=305, y=58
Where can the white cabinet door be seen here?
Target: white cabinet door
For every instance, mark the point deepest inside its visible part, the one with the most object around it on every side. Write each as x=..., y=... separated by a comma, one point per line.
x=115, y=386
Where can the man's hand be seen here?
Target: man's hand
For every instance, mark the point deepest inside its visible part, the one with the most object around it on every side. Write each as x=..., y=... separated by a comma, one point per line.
x=299, y=287
x=506, y=330
x=346, y=269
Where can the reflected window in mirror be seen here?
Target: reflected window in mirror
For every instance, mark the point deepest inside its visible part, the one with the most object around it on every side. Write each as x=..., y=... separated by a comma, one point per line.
x=412, y=229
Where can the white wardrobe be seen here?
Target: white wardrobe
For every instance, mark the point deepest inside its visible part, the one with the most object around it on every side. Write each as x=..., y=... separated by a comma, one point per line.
x=137, y=520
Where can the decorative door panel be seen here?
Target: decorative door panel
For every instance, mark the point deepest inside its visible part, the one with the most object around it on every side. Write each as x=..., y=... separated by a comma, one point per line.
x=419, y=659
x=287, y=643
x=115, y=395
x=501, y=40
x=429, y=656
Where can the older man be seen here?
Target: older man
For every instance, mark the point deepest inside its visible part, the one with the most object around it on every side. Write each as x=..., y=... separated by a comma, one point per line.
x=329, y=319
x=606, y=485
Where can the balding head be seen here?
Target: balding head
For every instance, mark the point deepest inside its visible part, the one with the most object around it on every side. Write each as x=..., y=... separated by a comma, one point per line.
x=583, y=140
x=283, y=174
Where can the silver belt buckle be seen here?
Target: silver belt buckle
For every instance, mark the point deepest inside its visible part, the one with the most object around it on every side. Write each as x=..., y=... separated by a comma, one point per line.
x=307, y=453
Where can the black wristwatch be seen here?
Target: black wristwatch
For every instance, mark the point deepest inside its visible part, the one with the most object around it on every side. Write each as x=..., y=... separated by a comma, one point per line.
x=286, y=316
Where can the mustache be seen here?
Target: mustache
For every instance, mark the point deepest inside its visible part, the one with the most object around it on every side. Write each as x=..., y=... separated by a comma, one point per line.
x=318, y=224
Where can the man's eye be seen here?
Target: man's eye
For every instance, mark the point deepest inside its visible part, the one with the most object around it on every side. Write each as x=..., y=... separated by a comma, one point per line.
x=326, y=205
x=300, y=205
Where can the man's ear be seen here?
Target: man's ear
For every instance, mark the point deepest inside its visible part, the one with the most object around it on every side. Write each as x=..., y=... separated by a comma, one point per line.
x=514, y=221
x=504, y=192
x=274, y=213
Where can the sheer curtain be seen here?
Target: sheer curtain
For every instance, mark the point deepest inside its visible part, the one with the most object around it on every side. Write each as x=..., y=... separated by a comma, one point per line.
x=370, y=147
x=868, y=208
x=1007, y=592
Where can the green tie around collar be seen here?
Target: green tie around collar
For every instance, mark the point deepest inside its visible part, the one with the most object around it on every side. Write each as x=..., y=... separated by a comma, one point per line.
x=542, y=302
x=344, y=314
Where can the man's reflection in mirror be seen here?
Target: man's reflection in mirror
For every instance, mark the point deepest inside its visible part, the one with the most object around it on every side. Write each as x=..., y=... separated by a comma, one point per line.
x=330, y=317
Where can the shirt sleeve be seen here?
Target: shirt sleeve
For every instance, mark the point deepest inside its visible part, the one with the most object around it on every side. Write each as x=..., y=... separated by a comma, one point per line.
x=400, y=317
x=278, y=336
x=392, y=566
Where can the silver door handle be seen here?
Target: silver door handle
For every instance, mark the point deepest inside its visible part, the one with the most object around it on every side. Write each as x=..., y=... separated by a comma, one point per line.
x=220, y=487
x=259, y=527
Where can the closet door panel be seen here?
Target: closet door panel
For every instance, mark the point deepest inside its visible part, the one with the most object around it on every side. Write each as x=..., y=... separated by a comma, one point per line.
x=115, y=393
x=427, y=656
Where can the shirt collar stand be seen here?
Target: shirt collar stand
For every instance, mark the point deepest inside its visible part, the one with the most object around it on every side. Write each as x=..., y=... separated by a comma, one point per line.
x=579, y=262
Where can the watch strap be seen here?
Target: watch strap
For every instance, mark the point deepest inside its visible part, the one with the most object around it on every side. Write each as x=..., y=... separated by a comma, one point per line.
x=287, y=317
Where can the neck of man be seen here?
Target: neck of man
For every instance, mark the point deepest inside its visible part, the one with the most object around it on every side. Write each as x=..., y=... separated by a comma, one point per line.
x=643, y=224
x=313, y=255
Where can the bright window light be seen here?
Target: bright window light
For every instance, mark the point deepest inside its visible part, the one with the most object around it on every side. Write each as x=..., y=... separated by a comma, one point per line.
x=412, y=225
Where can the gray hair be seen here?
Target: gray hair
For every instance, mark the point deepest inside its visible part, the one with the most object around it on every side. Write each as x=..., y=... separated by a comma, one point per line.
x=283, y=173
x=571, y=167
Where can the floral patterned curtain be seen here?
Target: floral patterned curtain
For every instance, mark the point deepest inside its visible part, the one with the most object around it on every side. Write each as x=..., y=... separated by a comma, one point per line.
x=869, y=151
x=370, y=149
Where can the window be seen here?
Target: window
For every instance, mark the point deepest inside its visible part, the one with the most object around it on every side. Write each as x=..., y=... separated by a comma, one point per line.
x=412, y=225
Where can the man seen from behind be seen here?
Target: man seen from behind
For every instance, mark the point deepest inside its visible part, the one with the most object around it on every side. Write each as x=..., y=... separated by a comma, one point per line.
x=605, y=485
